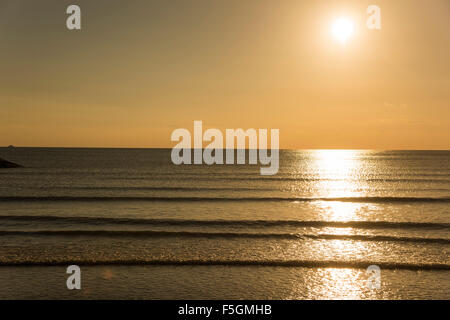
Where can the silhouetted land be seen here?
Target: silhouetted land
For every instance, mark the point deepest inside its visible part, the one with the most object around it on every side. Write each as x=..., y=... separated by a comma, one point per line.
x=7, y=164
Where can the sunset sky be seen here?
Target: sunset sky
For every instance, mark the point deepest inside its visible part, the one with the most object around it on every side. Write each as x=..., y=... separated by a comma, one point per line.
x=140, y=69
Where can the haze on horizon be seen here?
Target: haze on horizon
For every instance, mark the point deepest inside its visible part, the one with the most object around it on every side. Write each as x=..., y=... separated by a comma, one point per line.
x=140, y=69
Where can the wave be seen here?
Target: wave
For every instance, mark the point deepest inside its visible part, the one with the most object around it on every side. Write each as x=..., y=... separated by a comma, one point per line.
x=236, y=223
x=143, y=188
x=267, y=178
x=206, y=189
x=249, y=263
x=212, y=235
x=231, y=199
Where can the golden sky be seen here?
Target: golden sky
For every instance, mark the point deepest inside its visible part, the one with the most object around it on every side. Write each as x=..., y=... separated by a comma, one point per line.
x=140, y=69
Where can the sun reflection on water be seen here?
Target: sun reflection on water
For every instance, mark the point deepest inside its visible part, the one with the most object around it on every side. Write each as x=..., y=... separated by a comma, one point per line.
x=339, y=284
x=340, y=211
x=338, y=173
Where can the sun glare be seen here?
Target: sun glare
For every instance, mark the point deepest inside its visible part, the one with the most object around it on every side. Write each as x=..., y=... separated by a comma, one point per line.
x=342, y=29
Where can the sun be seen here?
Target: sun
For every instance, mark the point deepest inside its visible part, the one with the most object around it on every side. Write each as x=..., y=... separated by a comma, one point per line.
x=342, y=29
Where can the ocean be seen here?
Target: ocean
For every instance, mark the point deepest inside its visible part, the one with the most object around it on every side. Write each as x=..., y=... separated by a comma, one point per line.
x=141, y=227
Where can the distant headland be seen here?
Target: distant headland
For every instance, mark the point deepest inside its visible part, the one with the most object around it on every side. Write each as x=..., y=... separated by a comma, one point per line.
x=7, y=164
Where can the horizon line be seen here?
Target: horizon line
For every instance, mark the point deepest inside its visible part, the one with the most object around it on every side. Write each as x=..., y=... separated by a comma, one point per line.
x=168, y=148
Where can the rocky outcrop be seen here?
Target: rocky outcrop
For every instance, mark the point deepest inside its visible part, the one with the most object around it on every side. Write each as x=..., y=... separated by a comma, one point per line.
x=7, y=164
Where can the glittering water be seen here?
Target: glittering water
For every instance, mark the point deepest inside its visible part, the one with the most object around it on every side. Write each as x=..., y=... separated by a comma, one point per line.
x=141, y=227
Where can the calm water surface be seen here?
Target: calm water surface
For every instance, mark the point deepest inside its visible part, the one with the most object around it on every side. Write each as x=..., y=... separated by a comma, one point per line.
x=141, y=227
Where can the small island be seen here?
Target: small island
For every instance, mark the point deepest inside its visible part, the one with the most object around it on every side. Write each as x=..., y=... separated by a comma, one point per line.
x=7, y=164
